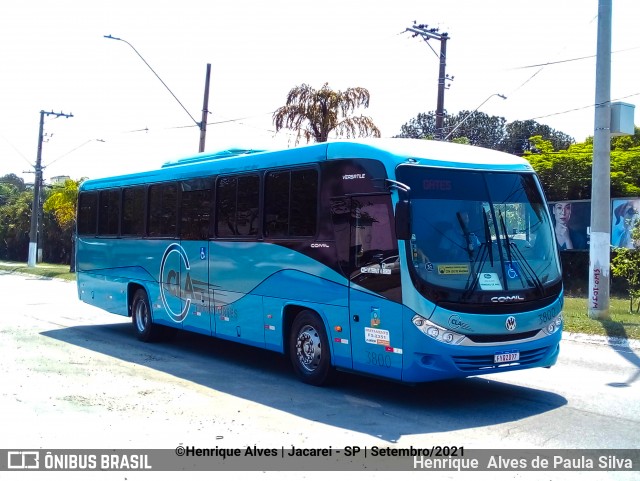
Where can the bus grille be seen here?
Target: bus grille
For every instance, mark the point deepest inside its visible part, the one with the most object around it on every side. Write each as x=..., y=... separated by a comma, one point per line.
x=476, y=363
x=478, y=338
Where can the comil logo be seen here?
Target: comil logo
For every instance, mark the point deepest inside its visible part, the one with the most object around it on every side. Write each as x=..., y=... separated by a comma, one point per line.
x=171, y=282
x=516, y=298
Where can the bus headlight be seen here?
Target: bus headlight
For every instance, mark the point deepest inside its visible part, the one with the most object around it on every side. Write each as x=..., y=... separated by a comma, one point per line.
x=555, y=325
x=437, y=333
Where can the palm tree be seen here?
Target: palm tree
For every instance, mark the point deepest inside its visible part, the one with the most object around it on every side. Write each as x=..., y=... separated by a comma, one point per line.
x=314, y=113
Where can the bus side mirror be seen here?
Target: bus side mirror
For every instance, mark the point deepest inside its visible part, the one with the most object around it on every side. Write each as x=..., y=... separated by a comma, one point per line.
x=403, y=220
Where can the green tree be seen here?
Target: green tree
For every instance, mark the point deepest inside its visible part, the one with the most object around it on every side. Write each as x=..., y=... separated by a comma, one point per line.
x=477, y=127
x=625, y=263
x=15, y=222
x=566, y=174
x=62, y=203
x=492, y=132
x=518, y=133
x=422, y=126
x=314, y=114
x=13, y=179
x=10, y=186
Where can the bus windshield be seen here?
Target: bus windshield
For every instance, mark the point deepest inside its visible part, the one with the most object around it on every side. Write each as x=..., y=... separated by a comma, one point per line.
x=477, y=237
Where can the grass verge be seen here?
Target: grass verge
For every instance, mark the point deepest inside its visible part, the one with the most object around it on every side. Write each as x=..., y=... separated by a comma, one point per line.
x=622, y=323
x=56, y=271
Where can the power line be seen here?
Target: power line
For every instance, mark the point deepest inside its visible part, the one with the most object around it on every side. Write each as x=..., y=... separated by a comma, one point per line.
x=575, y=59
x=239, y=119
x=73, y=150
x=581, y=108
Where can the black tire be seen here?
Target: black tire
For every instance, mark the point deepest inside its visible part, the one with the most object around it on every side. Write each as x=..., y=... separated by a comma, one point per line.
x=309, y=349
x=146, y=330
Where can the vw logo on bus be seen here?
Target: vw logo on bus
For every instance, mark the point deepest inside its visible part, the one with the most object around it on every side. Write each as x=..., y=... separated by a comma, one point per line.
x=510, y=324
x=171, y=282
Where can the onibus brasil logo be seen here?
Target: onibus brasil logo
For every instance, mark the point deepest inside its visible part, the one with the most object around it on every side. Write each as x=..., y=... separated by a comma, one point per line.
x=172, y=282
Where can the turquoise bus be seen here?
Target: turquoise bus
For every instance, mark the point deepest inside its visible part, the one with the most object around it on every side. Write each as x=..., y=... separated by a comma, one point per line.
x=402, y=259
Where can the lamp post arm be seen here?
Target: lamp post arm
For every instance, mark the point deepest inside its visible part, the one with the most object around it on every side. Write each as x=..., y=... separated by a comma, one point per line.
x=154, y=72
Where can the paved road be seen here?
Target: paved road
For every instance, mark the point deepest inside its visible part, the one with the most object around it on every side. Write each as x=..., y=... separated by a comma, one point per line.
x=74, y=376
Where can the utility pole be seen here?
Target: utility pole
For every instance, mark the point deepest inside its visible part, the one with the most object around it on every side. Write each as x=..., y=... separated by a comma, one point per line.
x=35, y=210
x=599, y=240
x=427, y=34
x=205, y=109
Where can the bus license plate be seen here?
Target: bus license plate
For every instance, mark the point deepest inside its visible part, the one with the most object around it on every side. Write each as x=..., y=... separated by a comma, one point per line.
x=506, y=356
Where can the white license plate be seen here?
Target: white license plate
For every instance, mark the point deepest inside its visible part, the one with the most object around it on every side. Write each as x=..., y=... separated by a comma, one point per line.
x=506, y=356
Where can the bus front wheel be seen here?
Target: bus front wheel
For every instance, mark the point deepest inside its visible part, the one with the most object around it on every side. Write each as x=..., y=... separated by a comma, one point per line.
x=309, y=349
x=141, y=316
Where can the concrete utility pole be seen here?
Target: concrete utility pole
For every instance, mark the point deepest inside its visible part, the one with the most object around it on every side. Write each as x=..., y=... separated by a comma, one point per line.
x=205, y=109
x=599, y=243
x=35, y=210
x=427, y=34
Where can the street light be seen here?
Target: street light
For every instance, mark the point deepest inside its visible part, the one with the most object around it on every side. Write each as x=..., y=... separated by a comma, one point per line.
x=201, y=125
x=471, y=113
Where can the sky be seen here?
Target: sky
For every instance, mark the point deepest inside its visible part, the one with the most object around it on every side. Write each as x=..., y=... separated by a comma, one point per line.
x=54, y=57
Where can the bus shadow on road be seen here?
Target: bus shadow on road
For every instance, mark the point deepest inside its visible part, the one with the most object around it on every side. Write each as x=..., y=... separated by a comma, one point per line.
x=383, y=409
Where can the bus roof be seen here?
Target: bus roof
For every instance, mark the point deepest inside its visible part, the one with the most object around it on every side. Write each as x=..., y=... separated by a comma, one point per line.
x=391, y=152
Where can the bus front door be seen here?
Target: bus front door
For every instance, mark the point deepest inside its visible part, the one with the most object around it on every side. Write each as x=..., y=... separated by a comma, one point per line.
x=375, y=294
x=195, y=287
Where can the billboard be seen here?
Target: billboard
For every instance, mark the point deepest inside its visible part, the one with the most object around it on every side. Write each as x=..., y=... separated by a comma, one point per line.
x=572, y=219
x=624, y=215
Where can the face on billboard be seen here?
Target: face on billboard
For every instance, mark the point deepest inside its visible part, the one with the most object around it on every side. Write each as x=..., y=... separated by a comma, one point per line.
x=625, y=215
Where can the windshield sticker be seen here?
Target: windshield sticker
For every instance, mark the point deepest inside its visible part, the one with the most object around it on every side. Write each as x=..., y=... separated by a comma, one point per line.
x=375, y=317
x=377, y=336
x=513, y=272
x=375, y=270
x=453, y=269
x=489, y=281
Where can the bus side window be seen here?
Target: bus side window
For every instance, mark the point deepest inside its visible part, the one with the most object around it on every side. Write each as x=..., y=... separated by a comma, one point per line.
x=87, y=213
x=163, y=210
x=237, y=203
x=195, y=209
x=291, y=203
x=109, y=212
x=133, y=209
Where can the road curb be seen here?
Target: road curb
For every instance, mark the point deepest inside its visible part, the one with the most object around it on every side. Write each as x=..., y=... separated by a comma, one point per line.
x=619, y=342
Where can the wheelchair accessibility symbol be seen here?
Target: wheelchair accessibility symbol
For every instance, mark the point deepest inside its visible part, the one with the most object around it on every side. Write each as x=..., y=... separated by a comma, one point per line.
x=203, y=253
x=512, y=271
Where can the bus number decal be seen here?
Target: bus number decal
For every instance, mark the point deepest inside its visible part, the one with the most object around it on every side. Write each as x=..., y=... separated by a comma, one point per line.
x=378, y=359
x=548, y=315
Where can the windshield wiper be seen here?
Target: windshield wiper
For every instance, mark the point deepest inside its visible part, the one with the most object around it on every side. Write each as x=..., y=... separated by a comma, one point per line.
x=487, y=236
x=507, y=241
x=485, y=251
x=532, y=277
x=467, y=236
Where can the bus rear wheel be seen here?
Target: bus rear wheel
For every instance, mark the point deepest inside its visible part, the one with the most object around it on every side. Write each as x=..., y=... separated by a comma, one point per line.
x=141, y=317
x=309, y=349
